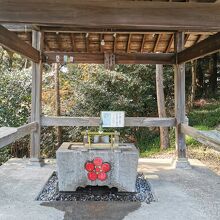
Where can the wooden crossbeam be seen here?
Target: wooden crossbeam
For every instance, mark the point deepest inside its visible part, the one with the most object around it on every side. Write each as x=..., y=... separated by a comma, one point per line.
x=95, y=121
x=11, y=134
x=110, y=14
x=202, y=48
x=12, y=42
x=98, y=58
x=150, y=58
x=209, y=138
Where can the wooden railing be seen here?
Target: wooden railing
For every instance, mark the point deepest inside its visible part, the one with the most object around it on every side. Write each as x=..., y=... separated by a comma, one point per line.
x=11, y=134
x=94, y=121
x=209, y=138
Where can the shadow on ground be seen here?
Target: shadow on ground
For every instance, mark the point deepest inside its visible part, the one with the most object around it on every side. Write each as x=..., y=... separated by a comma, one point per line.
x=94, y=210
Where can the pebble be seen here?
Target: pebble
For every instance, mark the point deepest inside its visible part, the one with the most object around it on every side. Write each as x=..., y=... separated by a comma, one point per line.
x=143, y=193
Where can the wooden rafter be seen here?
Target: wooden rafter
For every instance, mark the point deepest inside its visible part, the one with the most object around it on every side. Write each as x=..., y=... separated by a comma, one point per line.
x=100, y=14
x=58, y=41
x=142, y=43
x=87, y=42
x=100, y=45
x=11, y=134
x=169, y=43
x=128, y=43
x=115, y=43
x=127, y=58
x=73, y=43
x=186, y=39
x=12, y=42
x=47, y=48
x=202, y=48
x=156, y=42
x=198, y=39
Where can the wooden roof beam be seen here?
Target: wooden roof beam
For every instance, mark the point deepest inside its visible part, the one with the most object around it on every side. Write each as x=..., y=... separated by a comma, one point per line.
x=101, y=38
x=203, y=48
x=156, y=42
x=109, y=14
x=59, y=41
x=198, y=39
x=12, y=42
x=115, y=42
x=127, y=58
x=73, y=43
x=170, y=43
x=142, y=43
x=128, y=43
x=186, y=39
x=87, y=42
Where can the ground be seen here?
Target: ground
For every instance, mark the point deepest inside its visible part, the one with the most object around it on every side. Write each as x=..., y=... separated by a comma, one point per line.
x=208, y=156
x=181, y=194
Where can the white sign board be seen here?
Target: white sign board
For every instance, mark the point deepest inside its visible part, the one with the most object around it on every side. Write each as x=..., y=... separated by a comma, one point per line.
x=113, y=119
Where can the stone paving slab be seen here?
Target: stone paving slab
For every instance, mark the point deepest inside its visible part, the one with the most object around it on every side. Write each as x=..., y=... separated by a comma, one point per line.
x=181, y=194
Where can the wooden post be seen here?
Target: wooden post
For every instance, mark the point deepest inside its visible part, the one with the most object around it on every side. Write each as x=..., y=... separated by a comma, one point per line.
x=164, y=133
x=57, y=101
x=179, y=84
x=193, y=88
x=37, y=42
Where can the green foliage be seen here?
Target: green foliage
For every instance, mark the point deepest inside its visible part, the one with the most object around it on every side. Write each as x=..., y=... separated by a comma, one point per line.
x=129, y=88
x=15, y=89
x=5, y=154
x=206, y=117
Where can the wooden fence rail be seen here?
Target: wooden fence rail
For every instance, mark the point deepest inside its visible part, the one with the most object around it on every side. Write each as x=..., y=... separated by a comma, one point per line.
x=209, y=138
x=11, y=134
x=94, y=121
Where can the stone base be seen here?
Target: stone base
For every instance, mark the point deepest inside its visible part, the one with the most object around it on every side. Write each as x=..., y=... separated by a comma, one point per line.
x=72, y=157
x=182, y=163
x=36, y=162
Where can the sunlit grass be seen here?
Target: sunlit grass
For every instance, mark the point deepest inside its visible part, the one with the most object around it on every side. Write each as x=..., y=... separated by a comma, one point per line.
x=203, y=118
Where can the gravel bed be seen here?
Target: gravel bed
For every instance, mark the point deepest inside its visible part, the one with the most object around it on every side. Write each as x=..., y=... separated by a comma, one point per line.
x=143, y=192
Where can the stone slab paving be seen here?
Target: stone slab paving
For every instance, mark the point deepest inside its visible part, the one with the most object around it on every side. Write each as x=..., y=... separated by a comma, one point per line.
x=181, y=194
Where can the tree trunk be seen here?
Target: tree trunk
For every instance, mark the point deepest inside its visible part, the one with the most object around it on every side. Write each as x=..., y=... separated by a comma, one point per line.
x=193, y=88
x=164, y=133
x=57, y=102
x=213, y=78
x=200, y=78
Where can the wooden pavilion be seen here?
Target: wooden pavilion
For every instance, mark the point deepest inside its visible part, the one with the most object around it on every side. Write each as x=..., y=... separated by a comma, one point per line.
x=110, y=32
